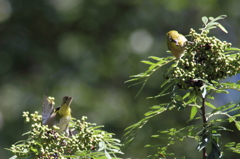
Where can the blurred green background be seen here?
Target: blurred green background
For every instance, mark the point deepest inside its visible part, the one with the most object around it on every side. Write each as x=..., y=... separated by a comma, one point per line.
x=87, y=49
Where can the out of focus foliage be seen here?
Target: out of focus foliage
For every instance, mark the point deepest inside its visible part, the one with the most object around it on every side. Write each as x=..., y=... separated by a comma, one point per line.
x=87, y=49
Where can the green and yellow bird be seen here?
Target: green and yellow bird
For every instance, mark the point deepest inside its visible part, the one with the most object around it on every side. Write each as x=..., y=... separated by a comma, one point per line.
x=59, y=117
x=176, y=43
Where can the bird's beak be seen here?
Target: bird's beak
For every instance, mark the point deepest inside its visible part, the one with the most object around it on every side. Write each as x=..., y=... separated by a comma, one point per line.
x=67, y=100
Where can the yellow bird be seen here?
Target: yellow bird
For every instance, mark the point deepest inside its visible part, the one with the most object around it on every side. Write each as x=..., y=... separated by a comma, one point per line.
x=59, y=117
x=176, y=43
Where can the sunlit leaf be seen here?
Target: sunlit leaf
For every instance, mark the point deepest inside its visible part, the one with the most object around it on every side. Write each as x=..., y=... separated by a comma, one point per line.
x=237, y=124
x=231, y=119
x=210, y=105
x=204, y=20
x=148, y=62
x=178, y=98
x=230, y=144
x=222, y=28
x=211, y=18
x=194, y=111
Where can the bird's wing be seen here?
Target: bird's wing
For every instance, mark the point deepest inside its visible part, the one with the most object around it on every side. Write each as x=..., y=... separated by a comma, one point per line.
x=47, y=108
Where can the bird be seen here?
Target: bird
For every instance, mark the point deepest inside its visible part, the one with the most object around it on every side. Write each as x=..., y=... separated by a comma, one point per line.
x=59, y=117
x=176, y=43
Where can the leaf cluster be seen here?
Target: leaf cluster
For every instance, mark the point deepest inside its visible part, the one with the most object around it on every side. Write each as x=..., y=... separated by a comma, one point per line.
x=192, y=82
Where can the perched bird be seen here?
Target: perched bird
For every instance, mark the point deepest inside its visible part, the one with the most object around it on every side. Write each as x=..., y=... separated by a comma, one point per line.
x=176, y=43
x=59, y=117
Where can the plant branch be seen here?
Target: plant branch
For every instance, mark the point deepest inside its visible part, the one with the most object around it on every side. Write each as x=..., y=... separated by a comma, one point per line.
x=204, y=124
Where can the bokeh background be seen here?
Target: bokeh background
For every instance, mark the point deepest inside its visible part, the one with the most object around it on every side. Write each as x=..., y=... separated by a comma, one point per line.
x=87, y=49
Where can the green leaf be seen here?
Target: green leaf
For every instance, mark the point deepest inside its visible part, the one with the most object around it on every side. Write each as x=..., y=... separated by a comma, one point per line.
x=233, y=49
x=222, y=91
x=204, y=141
x=237, y=124
x=193, y=113
x=210, y=27
x=192, y=99
x=163, y=92
x=230, y=144
x=223, y=108
x=222, y=28
x=132, y=130
x=155, y=58
x=148, y=62
x=211, y=18
x=230, y=85
x=220, y=17
x=155, y=107
x=238, y=146
x=178, y=98
x=212, y=23
x=13, y=157
x=231, y=119
x=150, y=113
x=205, y=20
x=210, y=105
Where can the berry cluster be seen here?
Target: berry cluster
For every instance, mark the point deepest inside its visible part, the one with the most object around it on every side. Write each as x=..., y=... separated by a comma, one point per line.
x=205, y=60
x=44, y=142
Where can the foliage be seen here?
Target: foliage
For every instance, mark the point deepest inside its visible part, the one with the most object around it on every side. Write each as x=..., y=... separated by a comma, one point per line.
x=194, y=80
x=87, y=141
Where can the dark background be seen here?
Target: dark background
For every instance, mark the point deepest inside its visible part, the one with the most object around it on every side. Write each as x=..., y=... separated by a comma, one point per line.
x=87, y=49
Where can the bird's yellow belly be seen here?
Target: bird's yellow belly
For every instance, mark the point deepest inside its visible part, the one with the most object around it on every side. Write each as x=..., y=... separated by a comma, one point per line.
x=63, y=124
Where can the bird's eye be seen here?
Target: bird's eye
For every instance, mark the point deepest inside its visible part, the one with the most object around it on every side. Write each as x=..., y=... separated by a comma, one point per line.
x=171, y=39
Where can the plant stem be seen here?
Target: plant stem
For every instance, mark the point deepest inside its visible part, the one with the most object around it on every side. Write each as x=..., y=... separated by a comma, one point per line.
x=204, y=124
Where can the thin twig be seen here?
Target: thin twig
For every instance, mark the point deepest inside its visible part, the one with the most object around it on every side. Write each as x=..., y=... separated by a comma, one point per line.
x=204, y=124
